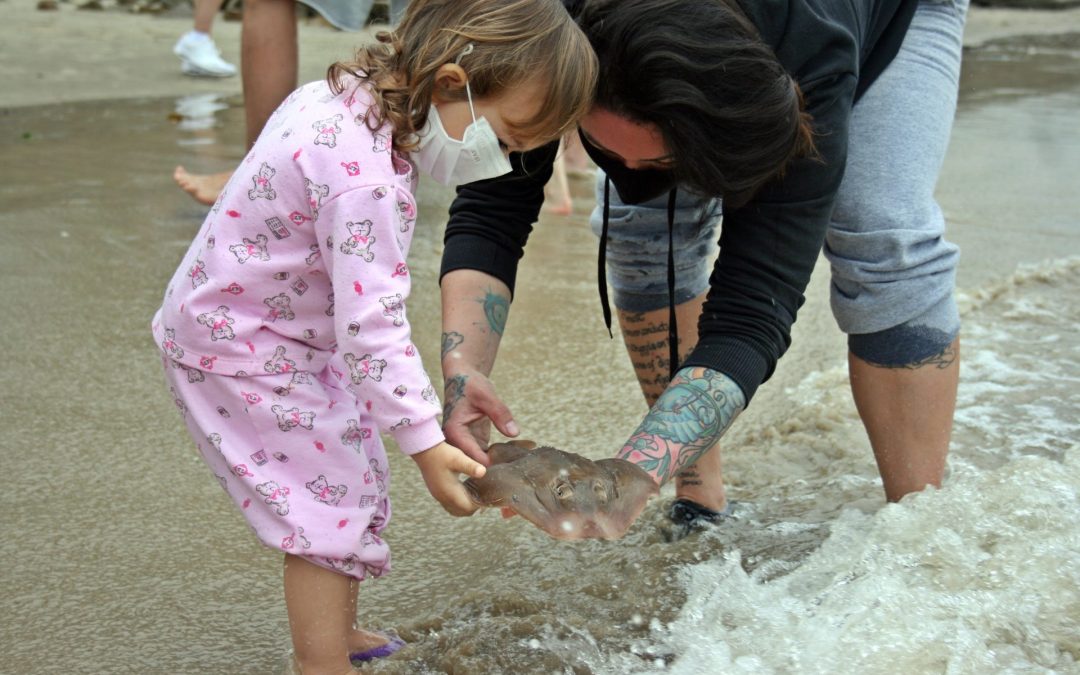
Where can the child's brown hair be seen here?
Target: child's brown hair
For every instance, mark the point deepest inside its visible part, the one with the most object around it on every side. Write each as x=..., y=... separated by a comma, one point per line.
x=513, y=42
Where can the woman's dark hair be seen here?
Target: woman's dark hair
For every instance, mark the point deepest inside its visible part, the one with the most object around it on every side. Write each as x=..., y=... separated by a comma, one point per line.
x=699, y=71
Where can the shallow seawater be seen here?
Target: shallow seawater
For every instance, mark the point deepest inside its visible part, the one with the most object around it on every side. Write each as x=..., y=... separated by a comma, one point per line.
x=121, y=554
x=980, y=576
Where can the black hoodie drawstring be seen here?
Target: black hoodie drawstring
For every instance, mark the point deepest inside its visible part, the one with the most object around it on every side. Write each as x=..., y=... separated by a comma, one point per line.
x=673, y=327
x=602, y=260
x=673, y=324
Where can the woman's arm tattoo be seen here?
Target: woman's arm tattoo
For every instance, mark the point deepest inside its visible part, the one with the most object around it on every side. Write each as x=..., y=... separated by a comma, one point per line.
x=496, y=308
x=688, y=418
x=450, y=340
x=453, y=392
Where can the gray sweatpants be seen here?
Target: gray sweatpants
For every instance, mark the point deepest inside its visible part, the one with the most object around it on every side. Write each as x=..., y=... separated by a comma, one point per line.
x=893, y=273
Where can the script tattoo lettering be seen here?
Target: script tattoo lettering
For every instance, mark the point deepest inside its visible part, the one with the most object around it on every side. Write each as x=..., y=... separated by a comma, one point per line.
x=647, y=345
x=686, y=420
x=639, y=318
x=687, y=477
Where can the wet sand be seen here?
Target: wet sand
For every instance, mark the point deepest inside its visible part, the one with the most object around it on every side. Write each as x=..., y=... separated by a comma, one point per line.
x=121, y=554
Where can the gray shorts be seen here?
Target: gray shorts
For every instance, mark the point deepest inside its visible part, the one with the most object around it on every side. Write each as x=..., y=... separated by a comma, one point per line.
x=637, y=248
x=352, y=15
x=893, y=273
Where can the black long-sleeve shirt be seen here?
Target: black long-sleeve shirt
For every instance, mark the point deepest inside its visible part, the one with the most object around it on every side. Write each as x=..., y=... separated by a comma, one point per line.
x=834, y=49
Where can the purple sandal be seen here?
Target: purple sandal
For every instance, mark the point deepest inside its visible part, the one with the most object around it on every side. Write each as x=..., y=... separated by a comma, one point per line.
x=393, y=645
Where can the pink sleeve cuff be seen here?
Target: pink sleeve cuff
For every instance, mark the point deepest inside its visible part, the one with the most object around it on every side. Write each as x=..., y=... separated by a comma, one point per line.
x=418, y=437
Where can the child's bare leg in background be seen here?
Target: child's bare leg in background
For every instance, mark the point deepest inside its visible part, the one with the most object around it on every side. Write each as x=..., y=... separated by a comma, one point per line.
x=322, y=613
x=269, y=63
x=578, y=164
x=557, y=198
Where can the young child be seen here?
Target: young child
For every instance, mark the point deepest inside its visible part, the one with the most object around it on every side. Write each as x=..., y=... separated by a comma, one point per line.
x=284, y=331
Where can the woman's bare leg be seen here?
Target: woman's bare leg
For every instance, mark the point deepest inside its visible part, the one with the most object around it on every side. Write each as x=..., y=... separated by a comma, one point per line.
x=908, y=414
x=646, y=337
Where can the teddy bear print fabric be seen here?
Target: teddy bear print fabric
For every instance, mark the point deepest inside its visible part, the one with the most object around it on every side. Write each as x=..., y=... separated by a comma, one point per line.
x=300, y=267
x=298, y=457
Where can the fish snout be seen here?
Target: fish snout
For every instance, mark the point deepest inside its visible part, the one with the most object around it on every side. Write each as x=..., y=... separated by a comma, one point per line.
x=474, y=492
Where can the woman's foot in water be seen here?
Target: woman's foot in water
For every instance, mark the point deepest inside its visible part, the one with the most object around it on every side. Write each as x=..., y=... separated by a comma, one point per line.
x=204, y=188
x=703, y=482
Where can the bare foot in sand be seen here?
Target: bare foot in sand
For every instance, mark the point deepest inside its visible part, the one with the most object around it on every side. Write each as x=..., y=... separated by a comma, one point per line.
x=205, y=188
x=559, y=208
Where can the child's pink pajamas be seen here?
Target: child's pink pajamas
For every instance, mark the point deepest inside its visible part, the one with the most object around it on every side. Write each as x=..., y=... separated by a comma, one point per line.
x=285, y=335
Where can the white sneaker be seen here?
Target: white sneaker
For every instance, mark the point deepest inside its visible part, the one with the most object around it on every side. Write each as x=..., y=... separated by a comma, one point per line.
x=199, y=57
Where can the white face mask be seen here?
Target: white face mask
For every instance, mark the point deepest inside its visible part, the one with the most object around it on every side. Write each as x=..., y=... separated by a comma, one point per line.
x=477, y=156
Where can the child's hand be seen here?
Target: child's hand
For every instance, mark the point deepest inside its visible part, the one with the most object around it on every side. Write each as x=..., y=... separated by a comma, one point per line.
x=440, y=467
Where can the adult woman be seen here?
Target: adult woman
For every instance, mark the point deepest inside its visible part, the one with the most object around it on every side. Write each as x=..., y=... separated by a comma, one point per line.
x=817, y=122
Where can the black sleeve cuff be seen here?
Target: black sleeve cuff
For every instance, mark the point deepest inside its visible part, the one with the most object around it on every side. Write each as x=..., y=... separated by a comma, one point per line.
x=476, y=252
x=735, y=359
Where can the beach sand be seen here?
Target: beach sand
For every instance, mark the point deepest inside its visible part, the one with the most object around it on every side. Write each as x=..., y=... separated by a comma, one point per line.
x=85, y=55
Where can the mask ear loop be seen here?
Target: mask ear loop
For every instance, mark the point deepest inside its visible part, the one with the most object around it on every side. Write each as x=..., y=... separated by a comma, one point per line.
x=468, y=92
x=468, y=50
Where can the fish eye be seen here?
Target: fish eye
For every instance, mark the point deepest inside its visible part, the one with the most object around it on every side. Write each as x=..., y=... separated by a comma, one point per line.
x=600, y=490
x=563, y=490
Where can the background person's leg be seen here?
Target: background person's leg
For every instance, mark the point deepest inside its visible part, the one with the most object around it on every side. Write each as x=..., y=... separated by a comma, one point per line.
x=893, y=273
x=269, y=66
x=199, y=56
x=205, y=10
x=269, y=60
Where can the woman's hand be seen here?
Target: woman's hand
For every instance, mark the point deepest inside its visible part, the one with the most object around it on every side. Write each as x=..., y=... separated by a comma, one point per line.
x=470, y=405
x=440, y=466
x=475, y=308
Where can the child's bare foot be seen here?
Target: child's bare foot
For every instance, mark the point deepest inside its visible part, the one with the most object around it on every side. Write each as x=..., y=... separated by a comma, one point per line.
x=362, y=646
x=366, y=646
x=361, y=640
x=292, y=667
x=205, y=188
